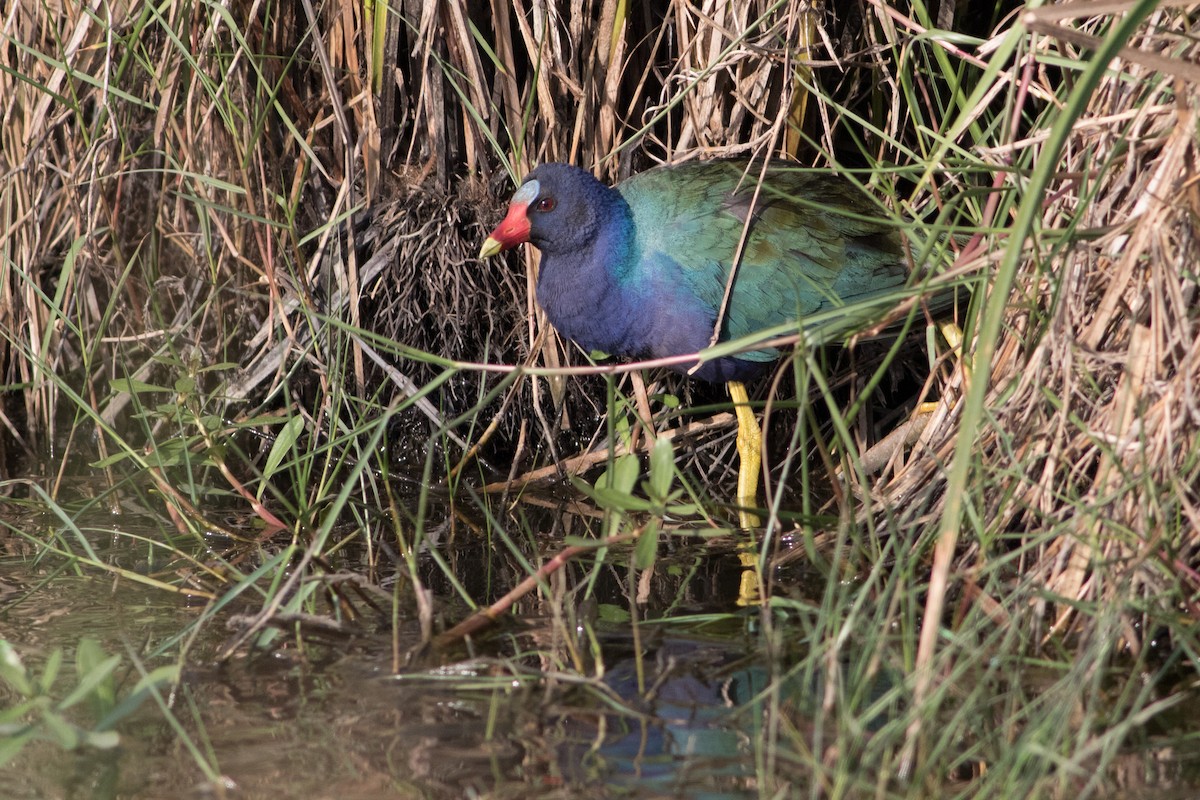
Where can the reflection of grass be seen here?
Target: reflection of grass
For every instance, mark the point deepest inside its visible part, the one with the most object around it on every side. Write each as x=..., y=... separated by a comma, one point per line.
x=195, y=320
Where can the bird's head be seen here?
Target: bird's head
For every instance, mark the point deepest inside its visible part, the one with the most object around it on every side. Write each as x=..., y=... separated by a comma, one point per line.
x=555, y=209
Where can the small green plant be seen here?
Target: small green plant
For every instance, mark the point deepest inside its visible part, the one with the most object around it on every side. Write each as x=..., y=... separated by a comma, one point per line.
x=86, y=716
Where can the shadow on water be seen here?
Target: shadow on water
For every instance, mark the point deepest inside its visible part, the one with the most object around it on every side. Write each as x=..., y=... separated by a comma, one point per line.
x=567, y=698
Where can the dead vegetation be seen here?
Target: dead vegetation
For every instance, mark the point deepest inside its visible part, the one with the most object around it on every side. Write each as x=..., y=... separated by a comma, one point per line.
x=195, y=197
x=237, y=259
x=1091, y=422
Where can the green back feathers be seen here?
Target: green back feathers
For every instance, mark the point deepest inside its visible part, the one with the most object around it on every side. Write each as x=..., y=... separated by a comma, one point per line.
x=815, y=241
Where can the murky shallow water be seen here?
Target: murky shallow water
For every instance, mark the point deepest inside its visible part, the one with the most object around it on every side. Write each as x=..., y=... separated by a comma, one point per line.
x=509, y=716
x=337, y=721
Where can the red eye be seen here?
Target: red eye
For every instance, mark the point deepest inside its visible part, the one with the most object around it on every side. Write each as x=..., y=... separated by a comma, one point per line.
x=545, y=204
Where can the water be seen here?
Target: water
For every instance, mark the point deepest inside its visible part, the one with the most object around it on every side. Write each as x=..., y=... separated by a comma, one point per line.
x=563, y=698
x=336, y=720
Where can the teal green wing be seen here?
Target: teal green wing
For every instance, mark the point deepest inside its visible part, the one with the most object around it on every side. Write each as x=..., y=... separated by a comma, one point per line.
x=815, y=242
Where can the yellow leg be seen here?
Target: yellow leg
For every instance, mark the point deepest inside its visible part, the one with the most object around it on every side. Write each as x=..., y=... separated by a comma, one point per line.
x=954, y=337
x=749, y=587
x=749, y=445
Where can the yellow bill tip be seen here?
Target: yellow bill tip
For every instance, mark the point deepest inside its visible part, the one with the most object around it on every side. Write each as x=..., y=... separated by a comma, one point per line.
x=491, y=246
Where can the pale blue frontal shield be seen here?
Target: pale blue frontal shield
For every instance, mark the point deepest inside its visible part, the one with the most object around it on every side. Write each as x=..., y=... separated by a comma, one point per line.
x=527, y=193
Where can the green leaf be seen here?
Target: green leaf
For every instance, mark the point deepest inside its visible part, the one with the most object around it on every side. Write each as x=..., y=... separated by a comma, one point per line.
x=165, y=675
x=46, y=681
x=64, y=733
x=621, y=427
x=12, y=719
x=614, y=500
x=134, y=386
x=621, y=476
x=157, y=677
x=283, y=445
x=94, y=676
x=668, y=400
x=172, y=452
x=102, y=740
x=211, y=422
x=646, y=548
x=87, y=655
x=662, y=468
x=611, y=613
x=115, y=458
x=11, y=744
x=12, y=671
x=264, y=420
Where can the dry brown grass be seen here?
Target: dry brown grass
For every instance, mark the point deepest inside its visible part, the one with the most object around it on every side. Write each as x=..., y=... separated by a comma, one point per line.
x=238, y=204
x=1092, y=405
x=174, y=202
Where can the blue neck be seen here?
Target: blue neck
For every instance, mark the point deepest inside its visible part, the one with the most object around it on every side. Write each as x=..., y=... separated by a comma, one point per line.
x=585, y=292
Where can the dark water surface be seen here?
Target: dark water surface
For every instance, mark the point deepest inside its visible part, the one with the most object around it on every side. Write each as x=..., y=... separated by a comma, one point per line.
x=681, y=705
x=509, y=717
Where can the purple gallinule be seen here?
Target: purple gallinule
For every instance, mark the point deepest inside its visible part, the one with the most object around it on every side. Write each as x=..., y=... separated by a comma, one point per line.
x=640, y=269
